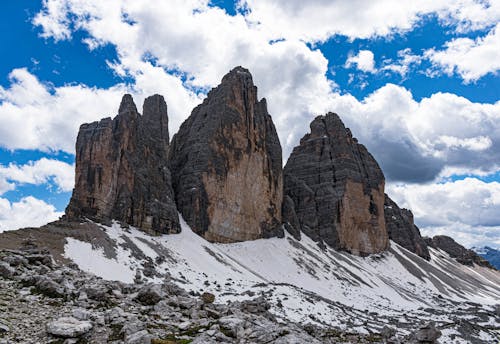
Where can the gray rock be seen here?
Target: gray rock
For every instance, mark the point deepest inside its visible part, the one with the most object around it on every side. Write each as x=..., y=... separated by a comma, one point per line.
x=97, y=292
x=122, y=172
x=81, y=314
x=14, y=260
x=150, y=295
x=6, y=271
x=337, y=189
x=226, y=163
x=141, y=337
x=457, y=251
x=45, y=285
x=402, y=229
x=68, y=327
x=231, y=326
x=426, y=334
x=4, y=328
x=256, y=306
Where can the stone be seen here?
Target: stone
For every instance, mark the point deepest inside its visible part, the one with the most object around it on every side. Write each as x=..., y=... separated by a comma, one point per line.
x=81, y=314
x=337, y=189
x=150, y=294
x=402, y=229
x=226, y=163
x=207, y=297
x=68, y=327
x=6, y=271
x=4, y=328
x=455, y=250
x=426, y=334
x=256, y=306
x=231, y=326
x=141, y=337
x=122, y=169
x=96, y=292
x=45, y=286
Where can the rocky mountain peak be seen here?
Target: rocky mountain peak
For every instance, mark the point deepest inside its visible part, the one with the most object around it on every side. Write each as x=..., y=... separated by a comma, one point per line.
x=127, y=105
x=122, y=169
x=227, y=164
x=336, y=188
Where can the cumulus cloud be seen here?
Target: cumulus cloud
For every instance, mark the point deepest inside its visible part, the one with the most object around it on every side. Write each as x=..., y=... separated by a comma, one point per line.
x=469, y=58
x=317, y=20
x=416, y=141
x=35, y=115
x=28, y=212
x=466, y=209
x=40, y=172
x=364, y=61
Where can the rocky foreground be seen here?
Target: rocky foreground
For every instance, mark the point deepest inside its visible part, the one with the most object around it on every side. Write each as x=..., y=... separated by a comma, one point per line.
x=43, y=302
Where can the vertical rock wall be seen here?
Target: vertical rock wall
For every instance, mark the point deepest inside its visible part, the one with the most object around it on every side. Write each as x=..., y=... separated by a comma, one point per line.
x=122, y=172
x=226, y=162
x=337, y=189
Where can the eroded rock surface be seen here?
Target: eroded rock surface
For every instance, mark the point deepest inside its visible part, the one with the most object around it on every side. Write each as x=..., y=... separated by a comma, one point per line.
x=226, y=164
x=457, y=251
x=401, y=228
x=337, y=189
x=122, y=172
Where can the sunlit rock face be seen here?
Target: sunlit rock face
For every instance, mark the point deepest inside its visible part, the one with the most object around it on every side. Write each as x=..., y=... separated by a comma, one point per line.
x=122, y=169
x=226, y=164
x=337, y=189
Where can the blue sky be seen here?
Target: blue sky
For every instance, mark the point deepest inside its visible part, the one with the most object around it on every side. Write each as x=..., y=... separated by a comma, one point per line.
x=418, y=84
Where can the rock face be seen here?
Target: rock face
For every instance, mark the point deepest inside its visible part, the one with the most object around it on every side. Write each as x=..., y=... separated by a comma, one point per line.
x=226, y=164
x=337, y=189
x=122, y=172
x=457, y=251
x=401, y=228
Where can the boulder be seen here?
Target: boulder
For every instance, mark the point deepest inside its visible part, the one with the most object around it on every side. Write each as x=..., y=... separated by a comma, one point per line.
x=150, y=295
x=402, y=230
x=6, y=271
x=337, y=189
x=68, y=327
x=122, y=172
x=426, y=334
x=226, y=164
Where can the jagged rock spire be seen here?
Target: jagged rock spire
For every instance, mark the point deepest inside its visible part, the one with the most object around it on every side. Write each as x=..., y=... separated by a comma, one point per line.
x=122, y=172
x=337, y=189
x=227, y=165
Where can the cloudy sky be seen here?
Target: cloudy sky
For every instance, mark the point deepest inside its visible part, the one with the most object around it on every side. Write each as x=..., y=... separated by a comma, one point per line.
x=417, y=82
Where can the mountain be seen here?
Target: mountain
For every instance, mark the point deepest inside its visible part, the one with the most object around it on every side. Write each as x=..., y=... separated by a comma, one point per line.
x=157, y=231
x=490, y=254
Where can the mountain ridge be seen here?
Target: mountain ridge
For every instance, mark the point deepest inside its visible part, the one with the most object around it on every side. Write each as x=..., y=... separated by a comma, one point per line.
x=214, y=211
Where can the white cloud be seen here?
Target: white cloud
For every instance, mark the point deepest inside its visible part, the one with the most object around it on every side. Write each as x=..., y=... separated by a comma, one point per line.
x=317, y=20
x=38, y=116
x=28, y=212
x=39, y=172
x=469, y=58
x=416, y=140
x=465, y=209
x=364, y=61
x=405, y=62
x=54, y=20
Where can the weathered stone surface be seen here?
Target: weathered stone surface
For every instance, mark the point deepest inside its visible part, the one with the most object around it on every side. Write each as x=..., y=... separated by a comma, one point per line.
x=457, y=251
x=226, y=164
x=122, y=172
x=68, y=327
x=337, y=189
x=401, y=228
